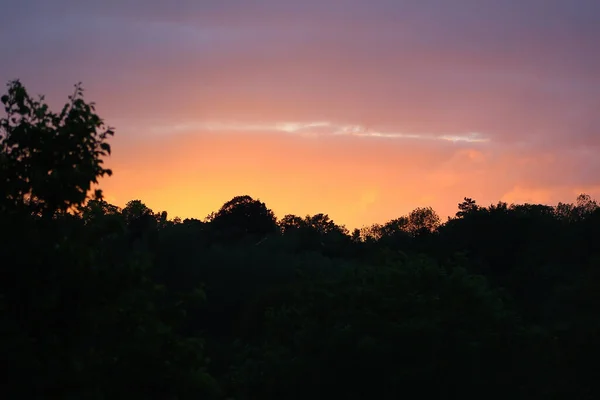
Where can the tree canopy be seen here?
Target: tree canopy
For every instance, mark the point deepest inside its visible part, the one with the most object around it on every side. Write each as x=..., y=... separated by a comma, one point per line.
x=49, y=160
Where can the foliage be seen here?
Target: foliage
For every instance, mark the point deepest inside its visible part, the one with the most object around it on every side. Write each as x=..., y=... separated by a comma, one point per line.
x=241, y=217
x=48, y=161
x=105, y=302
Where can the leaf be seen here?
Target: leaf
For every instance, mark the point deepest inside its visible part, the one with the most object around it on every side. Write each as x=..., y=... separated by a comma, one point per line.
x=105, y=147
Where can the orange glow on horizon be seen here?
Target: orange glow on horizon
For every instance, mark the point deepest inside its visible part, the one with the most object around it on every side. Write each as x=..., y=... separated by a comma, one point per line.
x=356, y=180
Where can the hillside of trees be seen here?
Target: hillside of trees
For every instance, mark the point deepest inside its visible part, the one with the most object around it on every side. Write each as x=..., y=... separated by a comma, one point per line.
x=99, y=302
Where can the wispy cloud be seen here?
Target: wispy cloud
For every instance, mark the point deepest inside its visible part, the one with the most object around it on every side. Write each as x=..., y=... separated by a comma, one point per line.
x=307, y=129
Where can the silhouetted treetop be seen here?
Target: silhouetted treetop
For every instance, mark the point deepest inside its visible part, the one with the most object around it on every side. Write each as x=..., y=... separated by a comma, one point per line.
x=290, y=222
x=467, y=206
x=324, y=225
x=423, y=219
x=48, y=160
x=243, y=216
x=135, y=209
x=320, y=224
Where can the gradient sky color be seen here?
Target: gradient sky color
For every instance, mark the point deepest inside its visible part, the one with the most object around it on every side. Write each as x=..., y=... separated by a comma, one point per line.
x=363, y=110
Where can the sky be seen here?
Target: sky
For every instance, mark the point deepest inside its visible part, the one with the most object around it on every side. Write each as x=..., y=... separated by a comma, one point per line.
x=363, y=110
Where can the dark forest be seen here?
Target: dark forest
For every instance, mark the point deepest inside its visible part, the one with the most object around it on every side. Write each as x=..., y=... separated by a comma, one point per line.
x=99, y=302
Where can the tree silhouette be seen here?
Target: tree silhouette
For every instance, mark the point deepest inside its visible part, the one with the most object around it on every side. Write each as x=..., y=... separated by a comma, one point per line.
x=290, y=222
x=423, y=220
x=466, y=207
x=48, y=161
x=242, y=217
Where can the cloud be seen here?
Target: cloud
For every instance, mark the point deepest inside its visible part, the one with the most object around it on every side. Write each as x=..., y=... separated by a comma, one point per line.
x=306, y=129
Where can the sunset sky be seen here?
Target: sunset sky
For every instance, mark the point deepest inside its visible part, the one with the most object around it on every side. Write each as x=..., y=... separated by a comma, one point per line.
x=363, y=110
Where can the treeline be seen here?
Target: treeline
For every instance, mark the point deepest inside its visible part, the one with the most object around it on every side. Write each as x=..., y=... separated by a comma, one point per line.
x=99, y=302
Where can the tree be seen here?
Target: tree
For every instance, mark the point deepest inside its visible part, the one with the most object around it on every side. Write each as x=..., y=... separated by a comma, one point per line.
x=242, y=216
x=423, y=219
x=564, y=211
x=98, y=208
x=291, y=222
x=135, y=210
x=48, y=160
x=585, y=206
x=466, y=207
x=102, y=220
x=141, y=220
x=395, y=227
x=371, y=233
x=324, y=225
